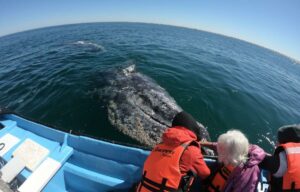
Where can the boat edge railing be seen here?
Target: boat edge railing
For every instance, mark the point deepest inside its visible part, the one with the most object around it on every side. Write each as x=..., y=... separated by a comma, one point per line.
x=6, y=111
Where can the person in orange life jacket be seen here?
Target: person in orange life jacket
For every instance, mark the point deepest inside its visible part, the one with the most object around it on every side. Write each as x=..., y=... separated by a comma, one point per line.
x=170, y=164
x=239, y=169
x=284, y=164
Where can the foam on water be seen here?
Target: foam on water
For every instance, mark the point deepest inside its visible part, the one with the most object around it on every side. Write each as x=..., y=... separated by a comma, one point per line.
x=269, y=140
x=90, y=44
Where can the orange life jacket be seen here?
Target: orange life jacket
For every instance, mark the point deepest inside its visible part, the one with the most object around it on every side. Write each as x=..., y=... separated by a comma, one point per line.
x=291, y=178
x=161, y=169
x=220, y=178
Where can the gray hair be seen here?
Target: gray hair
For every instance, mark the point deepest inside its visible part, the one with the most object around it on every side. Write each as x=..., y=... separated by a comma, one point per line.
x=233, y=147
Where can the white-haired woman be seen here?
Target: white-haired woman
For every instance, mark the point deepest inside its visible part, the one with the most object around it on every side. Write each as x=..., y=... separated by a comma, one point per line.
x=239, y=160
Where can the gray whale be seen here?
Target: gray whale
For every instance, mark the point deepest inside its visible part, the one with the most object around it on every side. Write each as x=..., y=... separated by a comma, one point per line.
x=139, y=107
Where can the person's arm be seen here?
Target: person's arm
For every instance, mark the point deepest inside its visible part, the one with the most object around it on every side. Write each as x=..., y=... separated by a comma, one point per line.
x=210, y=145
x=201, y=168
x=270, y=163
x=197, y=162
x=282, y=165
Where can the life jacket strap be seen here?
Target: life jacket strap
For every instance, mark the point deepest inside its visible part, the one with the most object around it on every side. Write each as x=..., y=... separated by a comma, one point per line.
x=293, y=185
x=291, y=190
x=187, y=180
x=157, y=187
x=215, y=188
x=224, y=172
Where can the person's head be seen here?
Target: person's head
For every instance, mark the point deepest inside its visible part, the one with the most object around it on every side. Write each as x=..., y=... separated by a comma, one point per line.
x=288, y=133
x=233, y=147
x=186, y=120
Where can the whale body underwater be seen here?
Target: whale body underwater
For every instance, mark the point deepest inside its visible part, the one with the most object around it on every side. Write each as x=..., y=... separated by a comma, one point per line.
x=138, y=107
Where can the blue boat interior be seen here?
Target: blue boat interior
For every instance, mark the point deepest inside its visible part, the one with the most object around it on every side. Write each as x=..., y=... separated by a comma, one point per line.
x=87, y=164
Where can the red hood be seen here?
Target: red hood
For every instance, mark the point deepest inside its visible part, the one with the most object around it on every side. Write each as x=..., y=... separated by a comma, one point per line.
x=175, y=136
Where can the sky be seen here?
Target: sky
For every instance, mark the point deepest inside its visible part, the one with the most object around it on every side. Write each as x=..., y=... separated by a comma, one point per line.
x=274, y=24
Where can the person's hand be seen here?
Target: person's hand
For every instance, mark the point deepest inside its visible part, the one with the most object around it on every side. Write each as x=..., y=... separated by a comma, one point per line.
x=209, y=145
x=204, y=142
x=268, y=154
x=208, y=152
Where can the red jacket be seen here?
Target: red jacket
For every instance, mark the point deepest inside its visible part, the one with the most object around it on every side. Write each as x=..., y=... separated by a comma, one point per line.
x=192, y=158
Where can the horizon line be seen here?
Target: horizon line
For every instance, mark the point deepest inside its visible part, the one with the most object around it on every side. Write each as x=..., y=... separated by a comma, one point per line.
x=172, y=25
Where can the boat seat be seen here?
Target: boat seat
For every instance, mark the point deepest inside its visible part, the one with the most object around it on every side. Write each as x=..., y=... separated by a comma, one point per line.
x=29, y=154
x=12, y=169
x=41, y=176
x=38, y=180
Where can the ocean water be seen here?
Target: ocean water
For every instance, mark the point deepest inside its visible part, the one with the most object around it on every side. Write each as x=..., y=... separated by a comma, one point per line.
x=52, y=75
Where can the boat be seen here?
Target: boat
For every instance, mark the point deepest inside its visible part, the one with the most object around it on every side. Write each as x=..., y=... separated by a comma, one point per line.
x=36, y=157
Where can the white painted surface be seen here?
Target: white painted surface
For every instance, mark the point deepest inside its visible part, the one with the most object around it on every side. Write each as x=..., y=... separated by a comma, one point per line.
x=12, y=169
x=41, y=176
x=7, y=142
x=31, y=153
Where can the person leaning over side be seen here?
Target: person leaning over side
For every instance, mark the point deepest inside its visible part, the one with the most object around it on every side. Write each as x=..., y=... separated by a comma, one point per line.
x=173, y=164
x=284, y=165
x=239, y=161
